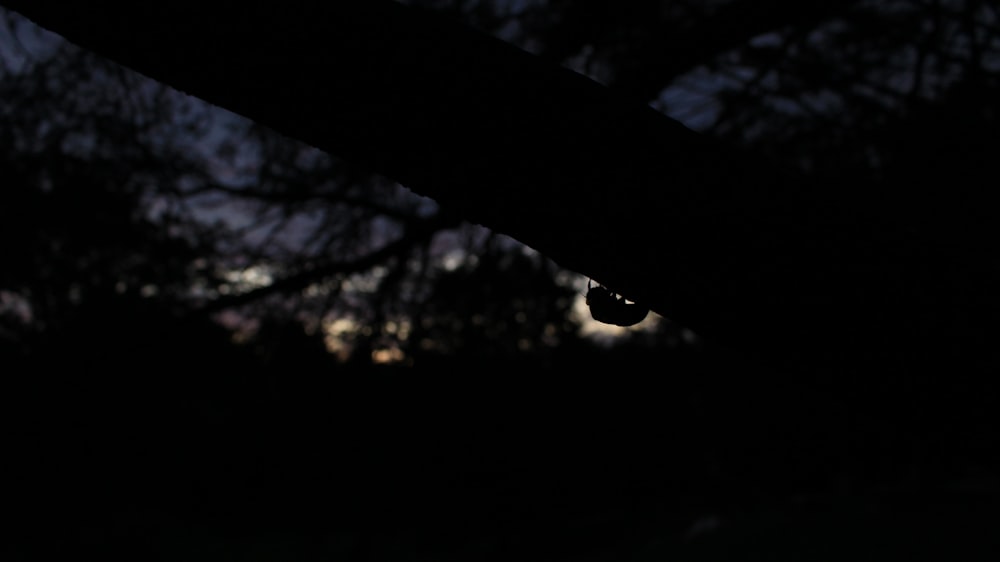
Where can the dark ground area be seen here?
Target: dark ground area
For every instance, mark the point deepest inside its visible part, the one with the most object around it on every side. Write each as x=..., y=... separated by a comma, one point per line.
x=632, y=455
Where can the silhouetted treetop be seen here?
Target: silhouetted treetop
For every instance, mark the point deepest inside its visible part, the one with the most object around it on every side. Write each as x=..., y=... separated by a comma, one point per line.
x=120, y=186
x=776, y=244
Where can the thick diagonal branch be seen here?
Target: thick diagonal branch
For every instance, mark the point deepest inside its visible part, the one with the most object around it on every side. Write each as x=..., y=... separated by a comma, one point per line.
x=716, y=240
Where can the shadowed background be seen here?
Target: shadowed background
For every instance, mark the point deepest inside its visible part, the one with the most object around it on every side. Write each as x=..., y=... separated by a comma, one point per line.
x=226, y=343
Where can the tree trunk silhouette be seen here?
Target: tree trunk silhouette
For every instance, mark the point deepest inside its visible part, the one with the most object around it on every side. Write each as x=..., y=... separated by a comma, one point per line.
x=717, y=239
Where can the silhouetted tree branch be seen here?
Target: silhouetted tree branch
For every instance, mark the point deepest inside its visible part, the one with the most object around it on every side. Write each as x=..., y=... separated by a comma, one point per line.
x=724, y=242
x=643, y=63
x=418, y=232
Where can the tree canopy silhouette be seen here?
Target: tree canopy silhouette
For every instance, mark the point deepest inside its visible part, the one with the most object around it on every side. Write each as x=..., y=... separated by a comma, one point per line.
x=825, y=200
x=187, y=215
x=780, y=254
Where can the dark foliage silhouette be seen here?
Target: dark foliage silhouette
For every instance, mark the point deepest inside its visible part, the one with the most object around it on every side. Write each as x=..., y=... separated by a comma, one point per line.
x=827, y=231
x=775, y=238
x=120, y=187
